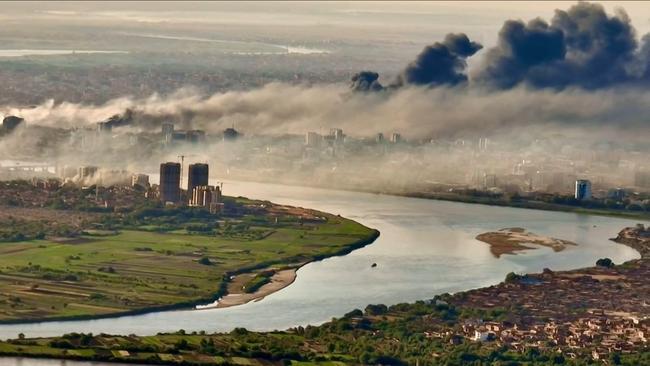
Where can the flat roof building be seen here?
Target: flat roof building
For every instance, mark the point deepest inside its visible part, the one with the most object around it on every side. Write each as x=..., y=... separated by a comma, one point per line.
x=197, y=175
x=170, y=182
x=583, y=190
x=230, y=134
x=141, y=180
x=313, y=139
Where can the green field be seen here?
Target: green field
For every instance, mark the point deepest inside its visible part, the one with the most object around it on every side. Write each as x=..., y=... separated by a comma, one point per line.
x=131, y=270
x=172, y=349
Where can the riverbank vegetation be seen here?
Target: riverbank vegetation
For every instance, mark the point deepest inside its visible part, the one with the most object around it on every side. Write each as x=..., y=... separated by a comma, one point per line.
x=152, y=258
x=589, y=316
x=545, y=201
x=634, y=206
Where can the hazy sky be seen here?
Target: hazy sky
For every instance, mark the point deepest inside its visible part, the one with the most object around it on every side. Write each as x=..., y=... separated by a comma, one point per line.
x=414, y=23
x=479, y=19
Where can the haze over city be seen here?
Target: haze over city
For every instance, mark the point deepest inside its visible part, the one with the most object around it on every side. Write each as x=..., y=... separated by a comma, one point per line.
x=319, y=160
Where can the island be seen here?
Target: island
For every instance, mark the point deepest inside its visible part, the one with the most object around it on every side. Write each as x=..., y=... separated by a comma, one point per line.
x=66, y=254
x=513, y=240
x=595, y=315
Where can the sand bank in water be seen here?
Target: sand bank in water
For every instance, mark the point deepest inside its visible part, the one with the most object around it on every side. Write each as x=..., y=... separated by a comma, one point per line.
x=512, y=240
x=237, y=296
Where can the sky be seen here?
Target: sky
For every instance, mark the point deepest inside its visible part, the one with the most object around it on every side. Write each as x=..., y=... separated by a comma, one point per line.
x=408, y=22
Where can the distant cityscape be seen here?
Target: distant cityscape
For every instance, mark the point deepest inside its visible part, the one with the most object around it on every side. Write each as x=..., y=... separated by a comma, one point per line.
x=544, y=170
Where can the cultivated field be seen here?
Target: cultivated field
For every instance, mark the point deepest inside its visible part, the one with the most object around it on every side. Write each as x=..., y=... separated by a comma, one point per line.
x=104, y=272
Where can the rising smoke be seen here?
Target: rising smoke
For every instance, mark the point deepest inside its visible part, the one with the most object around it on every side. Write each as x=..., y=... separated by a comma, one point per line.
x=365, y=81
x=582, y=47
x=442, y=63
x=278, y=109
x=583, y=74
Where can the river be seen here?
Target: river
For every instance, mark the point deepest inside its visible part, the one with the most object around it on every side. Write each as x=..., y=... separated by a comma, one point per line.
x=426, y=247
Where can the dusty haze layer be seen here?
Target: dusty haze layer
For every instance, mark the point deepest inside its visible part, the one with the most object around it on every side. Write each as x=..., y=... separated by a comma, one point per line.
x=446, y=84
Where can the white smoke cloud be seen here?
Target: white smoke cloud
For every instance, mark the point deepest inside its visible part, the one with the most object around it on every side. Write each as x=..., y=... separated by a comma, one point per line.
x=415, y=112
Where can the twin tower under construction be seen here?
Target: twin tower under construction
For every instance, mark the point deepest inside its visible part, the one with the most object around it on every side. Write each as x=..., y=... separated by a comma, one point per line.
x=199, y=192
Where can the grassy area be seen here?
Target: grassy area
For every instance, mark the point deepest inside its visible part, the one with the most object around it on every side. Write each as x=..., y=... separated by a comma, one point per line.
x=170, y=349
x=135, y=270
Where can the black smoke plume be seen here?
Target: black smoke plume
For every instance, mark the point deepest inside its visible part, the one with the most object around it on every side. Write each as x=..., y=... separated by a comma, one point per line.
x=582, y=47
x=365, y=81
x=442, y=63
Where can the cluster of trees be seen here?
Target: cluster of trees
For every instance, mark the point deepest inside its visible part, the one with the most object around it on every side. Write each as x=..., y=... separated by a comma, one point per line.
x=378, y=335
x=15, y=230
x=597, y=203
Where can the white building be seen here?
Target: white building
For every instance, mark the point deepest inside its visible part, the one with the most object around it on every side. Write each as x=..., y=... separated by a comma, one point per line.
x=583, y=190
x=312, y=139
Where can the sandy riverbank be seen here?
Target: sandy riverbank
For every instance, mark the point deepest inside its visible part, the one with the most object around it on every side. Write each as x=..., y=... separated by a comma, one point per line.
x=237, y=296
x=513, y=240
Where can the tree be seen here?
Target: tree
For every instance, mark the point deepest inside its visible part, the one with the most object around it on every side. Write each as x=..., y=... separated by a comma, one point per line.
x=512, y=277
x=605, y=262
x=378, y=309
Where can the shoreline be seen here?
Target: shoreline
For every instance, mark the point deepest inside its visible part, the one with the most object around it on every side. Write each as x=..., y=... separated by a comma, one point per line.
x=192, y=304
x=281, y=279
x=529, y=205
x=626, y=237
x=284, y=280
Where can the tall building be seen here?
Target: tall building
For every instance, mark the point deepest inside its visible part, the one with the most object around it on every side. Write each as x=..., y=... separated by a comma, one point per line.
x=197, y=176
x=583, y=190
x=195, y=136
x=379, y=138
x=230, y=134
x=167, y=132
x=178, y=136
x=313, y=139
x=170, y=182
x=87, y=171
x=396, y=138
x=337, y=134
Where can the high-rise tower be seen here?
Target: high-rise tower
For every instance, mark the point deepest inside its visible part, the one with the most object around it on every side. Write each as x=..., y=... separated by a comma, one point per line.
x=197, y=176
x=170, y=182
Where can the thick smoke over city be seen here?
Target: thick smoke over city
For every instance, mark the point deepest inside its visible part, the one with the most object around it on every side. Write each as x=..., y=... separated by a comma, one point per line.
x=365, y=81
x=442, y=63
x=582, y=47
x=576, y=81
x=580, y=50
x=278, y=109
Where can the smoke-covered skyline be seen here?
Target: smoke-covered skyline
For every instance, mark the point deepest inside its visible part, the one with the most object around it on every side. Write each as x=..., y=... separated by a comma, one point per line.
x=595, y=56
x=435, y=97
x=582, y=47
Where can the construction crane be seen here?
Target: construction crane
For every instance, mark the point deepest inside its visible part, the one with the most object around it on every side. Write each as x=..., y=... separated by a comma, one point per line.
x=182, y=157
